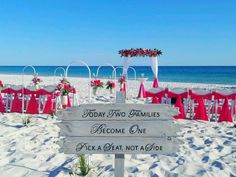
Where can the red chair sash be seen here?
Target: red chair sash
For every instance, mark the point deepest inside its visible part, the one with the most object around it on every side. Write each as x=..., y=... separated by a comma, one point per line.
x=158, y=95
x=175, y=95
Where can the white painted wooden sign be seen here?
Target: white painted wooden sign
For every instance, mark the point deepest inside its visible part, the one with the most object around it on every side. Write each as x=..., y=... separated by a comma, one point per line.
x=98, y=125
x=120, y=145
x=119, y=128
x=123, y=112
x=120, y=97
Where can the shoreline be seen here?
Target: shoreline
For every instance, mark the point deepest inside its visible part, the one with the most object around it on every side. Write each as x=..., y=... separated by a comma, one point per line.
x=49, y=79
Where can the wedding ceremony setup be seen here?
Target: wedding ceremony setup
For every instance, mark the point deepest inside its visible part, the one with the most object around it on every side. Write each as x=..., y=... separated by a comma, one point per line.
x=193, y=103
x=117, y=88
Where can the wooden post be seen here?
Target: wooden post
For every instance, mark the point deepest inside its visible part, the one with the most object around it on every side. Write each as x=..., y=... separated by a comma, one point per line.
x=120, y=158
x=119, y=165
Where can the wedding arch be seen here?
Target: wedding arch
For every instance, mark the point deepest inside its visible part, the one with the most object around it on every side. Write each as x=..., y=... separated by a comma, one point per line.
x=59, y=68
x=89, y=73
x=132, y=68
x=23, y=73
x=140, y=52
x=107, y=64
x=23, y=83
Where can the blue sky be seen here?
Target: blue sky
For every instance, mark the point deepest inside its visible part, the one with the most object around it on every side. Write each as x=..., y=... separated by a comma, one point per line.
x=40, y=32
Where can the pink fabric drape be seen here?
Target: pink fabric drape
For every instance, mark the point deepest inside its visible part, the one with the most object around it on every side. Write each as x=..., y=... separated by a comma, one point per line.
x=123, y=89
x=16, y=104
x=69, y=102
x=142, y=92
x=225, y=115
x=200, y=112
x=2, y=107
x=155, y=83
x=32, y=106
x=155, y=100
x=74, y=90
x=180, y=105
x=48, y=106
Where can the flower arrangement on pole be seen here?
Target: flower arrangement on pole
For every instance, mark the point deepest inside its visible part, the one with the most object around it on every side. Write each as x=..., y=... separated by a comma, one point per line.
x=110, y=86
x=65, y=89
x=122, y=81
x=36, y=81
x=95, y=84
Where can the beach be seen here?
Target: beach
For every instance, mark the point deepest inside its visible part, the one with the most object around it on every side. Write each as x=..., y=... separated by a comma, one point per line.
x=209, y=148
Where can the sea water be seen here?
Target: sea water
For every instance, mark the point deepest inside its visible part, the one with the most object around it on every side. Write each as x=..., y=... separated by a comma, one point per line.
x=186, y=74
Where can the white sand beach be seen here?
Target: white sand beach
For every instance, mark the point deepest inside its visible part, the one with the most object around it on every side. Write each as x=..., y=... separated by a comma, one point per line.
x=209, y=148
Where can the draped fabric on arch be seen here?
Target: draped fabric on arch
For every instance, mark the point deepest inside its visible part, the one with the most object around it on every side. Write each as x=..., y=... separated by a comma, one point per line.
x=142, y=92
x=125, y=71
x=125, y=65
x=154, y=66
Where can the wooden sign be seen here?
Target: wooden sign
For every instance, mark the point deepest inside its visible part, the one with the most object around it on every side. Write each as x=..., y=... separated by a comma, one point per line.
x=120, y=112
x=118, y=128
x=120, y=145
x=120, y=97
x=126, y=126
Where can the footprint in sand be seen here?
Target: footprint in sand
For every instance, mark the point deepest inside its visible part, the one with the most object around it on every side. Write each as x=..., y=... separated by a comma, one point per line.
x=108, y=168
x=154, y=175
x=153, y=166
x=208, y=142
x=133, y=170
x=219, y=148
x=229, y=133
x=190, y=140
x=205, y=159
x=201, y=172
x=193, y=146
x=227, y=142
x=218, y=165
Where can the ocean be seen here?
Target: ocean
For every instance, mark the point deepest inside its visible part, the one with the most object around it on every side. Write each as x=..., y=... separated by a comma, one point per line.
x=186, y=74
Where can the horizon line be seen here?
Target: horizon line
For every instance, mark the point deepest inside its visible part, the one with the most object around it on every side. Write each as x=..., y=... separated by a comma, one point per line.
x=122, y=65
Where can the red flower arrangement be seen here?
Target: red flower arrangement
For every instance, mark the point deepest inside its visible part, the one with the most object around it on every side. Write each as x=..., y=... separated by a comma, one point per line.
x=1, y=84
x=110, y=85
x=122, y=80
x=139, y=52
x=96, y=83
x=64, y=87
x=36, y=80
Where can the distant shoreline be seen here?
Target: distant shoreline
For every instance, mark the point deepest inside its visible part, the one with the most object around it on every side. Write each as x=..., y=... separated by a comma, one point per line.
x=224, y=75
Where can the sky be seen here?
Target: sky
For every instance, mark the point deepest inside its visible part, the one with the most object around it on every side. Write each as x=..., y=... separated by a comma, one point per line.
x=56, y=32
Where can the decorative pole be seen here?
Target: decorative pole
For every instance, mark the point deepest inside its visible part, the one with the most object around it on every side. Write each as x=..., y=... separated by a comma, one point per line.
x=125, y=72
x=155, y=71
x=142, y=91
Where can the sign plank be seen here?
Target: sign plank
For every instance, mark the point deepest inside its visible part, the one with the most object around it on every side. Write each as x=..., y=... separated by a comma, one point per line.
x=120, y=112
x=119, y=128
x=119, y=145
